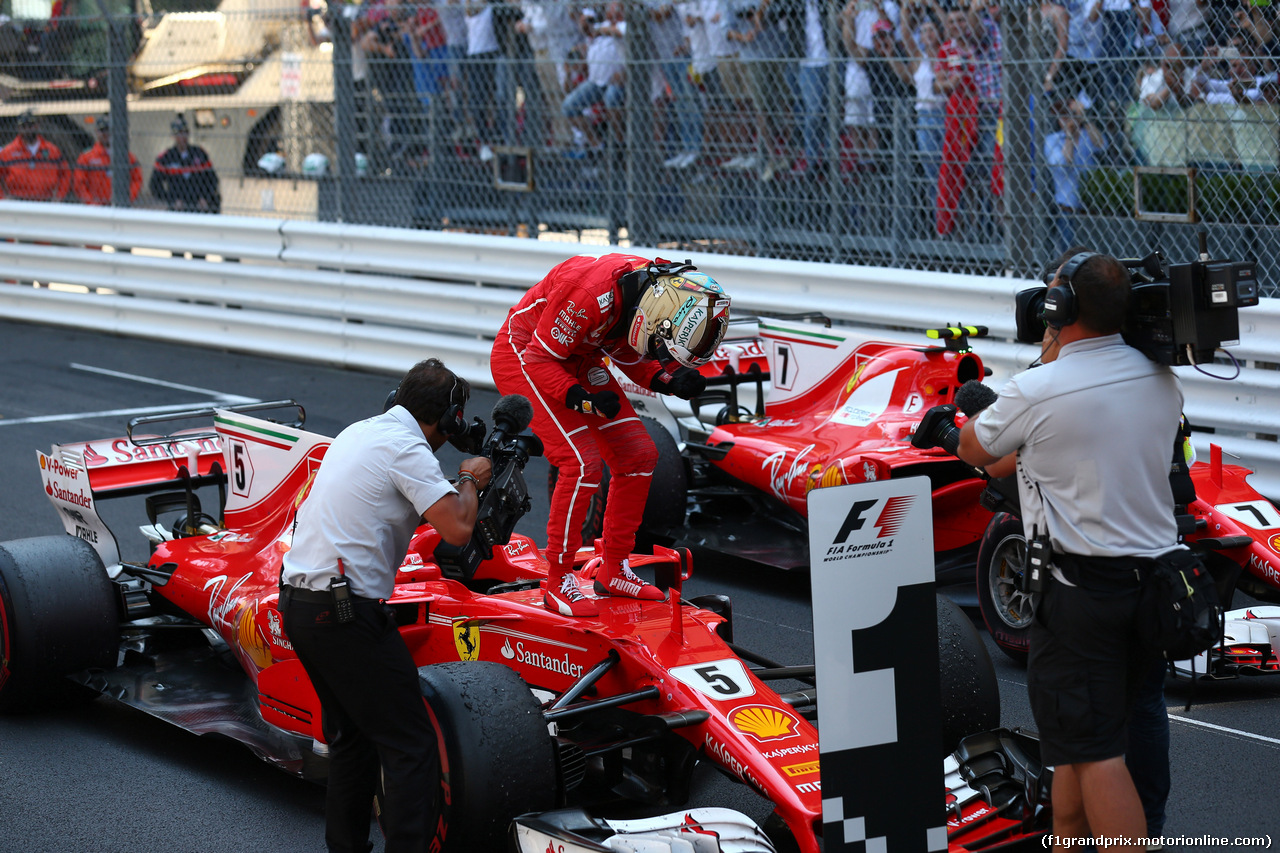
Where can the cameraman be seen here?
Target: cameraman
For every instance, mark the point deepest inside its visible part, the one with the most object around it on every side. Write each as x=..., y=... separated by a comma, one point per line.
x=378, y=482
x=1092, y=430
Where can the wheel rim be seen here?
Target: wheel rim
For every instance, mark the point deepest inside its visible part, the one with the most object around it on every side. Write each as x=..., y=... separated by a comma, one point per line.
x=1014, y=607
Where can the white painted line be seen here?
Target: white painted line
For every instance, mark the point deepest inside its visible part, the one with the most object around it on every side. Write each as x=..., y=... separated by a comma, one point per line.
x=230, y=399
x=114, y=413
x=1192, y=722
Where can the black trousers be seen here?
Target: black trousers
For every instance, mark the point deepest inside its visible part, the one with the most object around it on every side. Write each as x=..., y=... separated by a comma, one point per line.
x=374, y=721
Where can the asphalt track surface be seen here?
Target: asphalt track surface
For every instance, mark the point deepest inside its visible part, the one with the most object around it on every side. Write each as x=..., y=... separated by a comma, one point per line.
x=108, y=778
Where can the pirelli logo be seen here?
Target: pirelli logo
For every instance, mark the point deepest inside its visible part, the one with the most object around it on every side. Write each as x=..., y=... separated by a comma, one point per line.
x=801, y=769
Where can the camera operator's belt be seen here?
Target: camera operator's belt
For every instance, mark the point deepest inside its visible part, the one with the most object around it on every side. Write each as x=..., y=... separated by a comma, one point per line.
x=313, y=596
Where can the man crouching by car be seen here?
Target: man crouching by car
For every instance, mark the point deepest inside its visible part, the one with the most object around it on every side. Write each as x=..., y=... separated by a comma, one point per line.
x=1092, y=429
x=379, y=481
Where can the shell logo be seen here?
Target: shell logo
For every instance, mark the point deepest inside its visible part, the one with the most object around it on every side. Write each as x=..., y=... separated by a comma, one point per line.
x=764, y=723
x=1275, y=543
x=251, y=640
x=825, y=479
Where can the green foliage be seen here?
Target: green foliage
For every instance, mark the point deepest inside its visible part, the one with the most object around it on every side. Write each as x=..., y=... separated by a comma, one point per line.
x=1107, y=192
x=1239, y=197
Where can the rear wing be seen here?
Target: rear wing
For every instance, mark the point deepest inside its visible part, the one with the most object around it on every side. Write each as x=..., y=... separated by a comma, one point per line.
x=76, y=476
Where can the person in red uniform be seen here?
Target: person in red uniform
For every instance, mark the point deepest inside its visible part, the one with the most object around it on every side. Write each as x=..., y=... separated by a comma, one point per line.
x=93, y=170
x=31, y=167
x=657, y=322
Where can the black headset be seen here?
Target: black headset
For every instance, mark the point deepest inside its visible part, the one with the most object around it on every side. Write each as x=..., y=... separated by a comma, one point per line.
x=452, y=422
x=1061, y=307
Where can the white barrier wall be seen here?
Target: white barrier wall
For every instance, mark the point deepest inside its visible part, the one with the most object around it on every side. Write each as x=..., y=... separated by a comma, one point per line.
x=381, y=299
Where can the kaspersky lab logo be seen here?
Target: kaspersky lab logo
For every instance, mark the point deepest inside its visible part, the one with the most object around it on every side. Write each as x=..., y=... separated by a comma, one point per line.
x=858, y=537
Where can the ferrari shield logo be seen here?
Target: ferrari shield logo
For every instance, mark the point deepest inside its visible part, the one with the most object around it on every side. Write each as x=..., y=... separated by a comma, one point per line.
x=466, y=636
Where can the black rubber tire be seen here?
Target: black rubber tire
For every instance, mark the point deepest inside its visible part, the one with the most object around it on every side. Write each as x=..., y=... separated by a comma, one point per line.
x=1007, y=611
x=668, y=490
x=497, y=759
x=970, y=691
x=58, y=615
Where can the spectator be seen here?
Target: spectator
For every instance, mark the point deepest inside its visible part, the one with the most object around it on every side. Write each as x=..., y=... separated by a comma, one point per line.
x=429, y=54
x=31, y=167
x=92, y=178
x=1118, y=23
x=183, y=178
x=361, y=24
x=454, y=21
x=920, y=38
x=984, y=24
x=1165, y=82
x=704, y=74
x=1068, y=153
x=551, y=34
x=1077, y=70
x=670, y=89
x=1237, y=83
x=1188, y=25
x=812, y=85
x=760, y=48
x=481, y=74
x=859, y=109
x=954, y=78
x=891, y=82
x=606, y=71
x=391, y=71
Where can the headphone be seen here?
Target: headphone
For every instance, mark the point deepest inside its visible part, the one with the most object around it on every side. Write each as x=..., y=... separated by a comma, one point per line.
x=1061, y=307
x=452, y=422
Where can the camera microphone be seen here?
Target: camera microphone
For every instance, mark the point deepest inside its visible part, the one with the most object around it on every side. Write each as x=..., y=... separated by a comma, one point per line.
x=511, y=415
x=973, y=397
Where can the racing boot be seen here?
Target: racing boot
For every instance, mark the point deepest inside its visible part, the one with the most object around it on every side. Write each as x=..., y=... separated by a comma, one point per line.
x=563, y=596
x=620, y=580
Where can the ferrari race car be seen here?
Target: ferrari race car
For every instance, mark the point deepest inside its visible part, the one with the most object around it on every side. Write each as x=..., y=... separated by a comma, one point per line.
x=1236, y=532
x=534, y=712
x=794, y=405
x=584, y=729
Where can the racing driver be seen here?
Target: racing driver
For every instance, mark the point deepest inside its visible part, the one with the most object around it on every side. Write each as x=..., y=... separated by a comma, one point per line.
x=658, y=322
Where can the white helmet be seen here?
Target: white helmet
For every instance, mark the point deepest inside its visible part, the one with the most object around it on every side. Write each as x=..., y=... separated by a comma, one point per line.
x=681, y=315
x=272, y=163
x=315, y=165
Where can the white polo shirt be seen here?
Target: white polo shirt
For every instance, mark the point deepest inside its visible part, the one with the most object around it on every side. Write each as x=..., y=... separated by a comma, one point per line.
x=1094, y=432
x=377, y=479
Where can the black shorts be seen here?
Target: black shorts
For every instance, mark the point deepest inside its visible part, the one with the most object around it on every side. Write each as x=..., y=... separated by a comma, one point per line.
x=1083, y=670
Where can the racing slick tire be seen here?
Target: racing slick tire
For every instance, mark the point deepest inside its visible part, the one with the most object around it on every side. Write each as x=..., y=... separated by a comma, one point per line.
x=497, y=760
x=1006, y=610
x=668, y=489
x=58, y=616
x=970, y=691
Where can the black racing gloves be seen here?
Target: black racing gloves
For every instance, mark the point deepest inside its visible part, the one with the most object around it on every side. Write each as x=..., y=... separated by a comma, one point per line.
x=686, y=383
x=605, y=403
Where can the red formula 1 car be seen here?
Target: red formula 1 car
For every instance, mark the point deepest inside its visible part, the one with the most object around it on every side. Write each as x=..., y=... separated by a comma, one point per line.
x=534, y=712
x=1236, y=532
x=796, y=405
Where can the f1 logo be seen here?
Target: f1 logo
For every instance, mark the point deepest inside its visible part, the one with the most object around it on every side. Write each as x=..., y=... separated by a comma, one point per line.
x=888, y=522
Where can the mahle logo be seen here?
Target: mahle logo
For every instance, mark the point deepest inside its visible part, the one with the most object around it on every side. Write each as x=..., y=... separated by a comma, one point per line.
x=860, y=537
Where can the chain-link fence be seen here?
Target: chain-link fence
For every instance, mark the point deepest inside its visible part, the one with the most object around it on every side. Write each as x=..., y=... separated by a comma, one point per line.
x=913, y=135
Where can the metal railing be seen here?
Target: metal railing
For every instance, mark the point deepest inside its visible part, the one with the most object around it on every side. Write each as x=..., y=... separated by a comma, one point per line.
x=380, y=298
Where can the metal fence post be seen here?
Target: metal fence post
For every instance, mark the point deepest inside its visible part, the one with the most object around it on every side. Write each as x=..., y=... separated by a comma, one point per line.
x=117, y=99
x=344, y=105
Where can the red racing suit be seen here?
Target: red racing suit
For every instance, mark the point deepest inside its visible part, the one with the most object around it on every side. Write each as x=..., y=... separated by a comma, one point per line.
x=556, y=337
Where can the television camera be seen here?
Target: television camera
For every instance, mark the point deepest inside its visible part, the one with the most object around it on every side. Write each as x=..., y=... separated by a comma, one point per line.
x=506, y=499
x=1179, y=314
